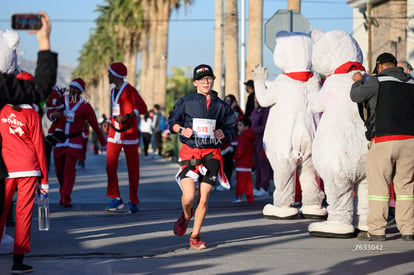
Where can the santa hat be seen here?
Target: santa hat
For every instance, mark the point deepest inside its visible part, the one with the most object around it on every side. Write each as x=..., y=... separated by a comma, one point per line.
x=118, y=69
x=9, y=40
x=78, y=83
x=25, y=76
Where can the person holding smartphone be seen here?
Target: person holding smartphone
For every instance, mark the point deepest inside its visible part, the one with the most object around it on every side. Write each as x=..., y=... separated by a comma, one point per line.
x=18, y=91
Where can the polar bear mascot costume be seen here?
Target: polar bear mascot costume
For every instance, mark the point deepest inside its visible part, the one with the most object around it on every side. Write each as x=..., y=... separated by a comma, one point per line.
x=339, y=147
x=9, y=40
x=290, y=127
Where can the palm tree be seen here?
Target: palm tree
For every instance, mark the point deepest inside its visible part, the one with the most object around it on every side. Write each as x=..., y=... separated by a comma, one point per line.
x=255, y=34
x=159, y=16
x=125, y=28
x=231, y=47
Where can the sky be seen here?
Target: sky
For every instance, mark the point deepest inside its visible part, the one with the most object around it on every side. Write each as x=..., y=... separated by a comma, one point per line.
x=191, y=35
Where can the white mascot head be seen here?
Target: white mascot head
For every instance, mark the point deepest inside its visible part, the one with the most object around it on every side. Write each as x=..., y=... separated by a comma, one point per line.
x=9, y=40
x=293, y=51
x=333, y=49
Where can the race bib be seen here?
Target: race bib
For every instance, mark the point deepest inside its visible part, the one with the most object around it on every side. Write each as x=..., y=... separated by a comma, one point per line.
x=70, y=116
x=204, y=128
x=116, y=110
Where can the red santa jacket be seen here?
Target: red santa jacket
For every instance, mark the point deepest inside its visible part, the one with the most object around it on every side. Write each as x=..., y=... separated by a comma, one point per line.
x=125, y=101
x=22, y=143
x=72, y=126
x=54, y=101
x=243, y=155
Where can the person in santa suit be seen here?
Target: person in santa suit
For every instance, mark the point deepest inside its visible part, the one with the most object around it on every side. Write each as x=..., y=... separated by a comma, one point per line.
x=69, y=127
x=53, y=104
x=22, y=135
x=85, y=135
x=126, y=106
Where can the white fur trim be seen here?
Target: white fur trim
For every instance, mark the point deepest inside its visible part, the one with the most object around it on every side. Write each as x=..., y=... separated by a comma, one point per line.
x=115, y=74
x=77, y=85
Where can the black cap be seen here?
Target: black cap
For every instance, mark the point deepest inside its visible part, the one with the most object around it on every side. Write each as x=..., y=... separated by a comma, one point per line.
x=384, y=58
x=201, y=71
x=249, y=83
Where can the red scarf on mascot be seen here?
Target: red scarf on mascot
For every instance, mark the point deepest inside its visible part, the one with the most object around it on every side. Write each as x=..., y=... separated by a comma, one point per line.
x=300, y=76
x=347, y=67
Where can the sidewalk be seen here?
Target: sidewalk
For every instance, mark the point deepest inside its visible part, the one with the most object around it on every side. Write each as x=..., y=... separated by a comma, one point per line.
x=86, y=239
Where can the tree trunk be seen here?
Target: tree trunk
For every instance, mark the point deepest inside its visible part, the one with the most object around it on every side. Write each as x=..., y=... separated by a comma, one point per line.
x=152, y=46
x=231, y=48
x=160, y=85
x=218, y=49
x=255, y=36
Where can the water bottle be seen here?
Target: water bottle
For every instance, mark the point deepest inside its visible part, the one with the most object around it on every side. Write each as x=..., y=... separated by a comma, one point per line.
x=43, y=208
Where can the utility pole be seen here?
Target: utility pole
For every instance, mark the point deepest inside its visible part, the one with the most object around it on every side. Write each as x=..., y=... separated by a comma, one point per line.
x=294, y=5
x=369, y=31
x=242, y=54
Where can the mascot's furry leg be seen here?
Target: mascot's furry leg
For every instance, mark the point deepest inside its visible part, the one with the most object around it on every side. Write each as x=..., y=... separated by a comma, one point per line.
x=284, y=194
x=312, y=194
x=340, y=208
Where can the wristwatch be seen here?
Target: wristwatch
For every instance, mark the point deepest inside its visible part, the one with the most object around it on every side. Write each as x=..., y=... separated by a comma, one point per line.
x=180, y=130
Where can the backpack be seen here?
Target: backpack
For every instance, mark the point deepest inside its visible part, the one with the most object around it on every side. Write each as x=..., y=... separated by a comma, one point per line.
x=163, y=125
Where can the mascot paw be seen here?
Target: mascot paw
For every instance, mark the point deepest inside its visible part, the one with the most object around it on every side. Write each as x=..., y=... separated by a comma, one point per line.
x=313, y=212
x=329, y=229
x=280, y=213
x=259, y=73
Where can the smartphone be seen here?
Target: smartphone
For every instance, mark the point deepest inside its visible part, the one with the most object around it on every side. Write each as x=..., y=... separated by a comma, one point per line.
x=26, y=21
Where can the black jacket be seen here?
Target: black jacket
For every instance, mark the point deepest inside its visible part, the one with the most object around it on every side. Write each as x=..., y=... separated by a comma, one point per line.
x=16, y=91
x=195, y=106
x=389, y=98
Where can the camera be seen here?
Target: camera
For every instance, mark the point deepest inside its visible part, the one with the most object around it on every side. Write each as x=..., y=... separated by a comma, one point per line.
x=26, y=21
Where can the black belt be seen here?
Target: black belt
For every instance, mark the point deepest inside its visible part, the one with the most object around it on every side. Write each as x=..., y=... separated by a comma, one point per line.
x=74, y=135
x=60, y=136
x=122, y=129
x=195, y=162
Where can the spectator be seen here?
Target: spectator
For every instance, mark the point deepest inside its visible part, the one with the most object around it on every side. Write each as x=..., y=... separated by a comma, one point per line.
x=227, y=149
x=203, y=121
x=145, y=127
x=126, y=105
x=406, y=66
x=159, y=126
x=15, y=91
x=390, y=129
x=250, y=104
x=22, y=135
x=232, y=101
x=261, y=163
x=69, y=127
x=243, y=160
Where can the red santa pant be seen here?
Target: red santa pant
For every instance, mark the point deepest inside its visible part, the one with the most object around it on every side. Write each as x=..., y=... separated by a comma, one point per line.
x=84, y=149
x=65, y=168
x=244, y=184
x=132, y=159
x=26, y=187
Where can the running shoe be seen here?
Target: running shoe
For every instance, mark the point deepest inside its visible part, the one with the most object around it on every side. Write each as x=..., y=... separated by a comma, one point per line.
x=116, y=204
x=180, y=226
x=133, y=208
x=196, y=243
